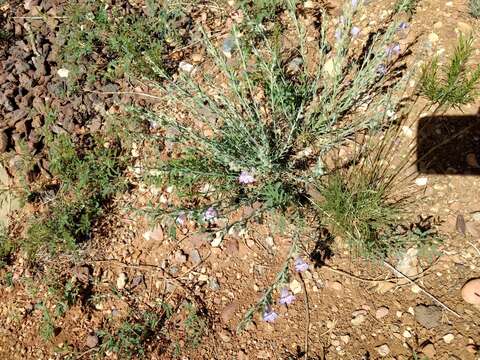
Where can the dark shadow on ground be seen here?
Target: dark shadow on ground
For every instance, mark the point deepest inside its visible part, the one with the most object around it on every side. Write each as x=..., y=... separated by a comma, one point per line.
x=449, y=145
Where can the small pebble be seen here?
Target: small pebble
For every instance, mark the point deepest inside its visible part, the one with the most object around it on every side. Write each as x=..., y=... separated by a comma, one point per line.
x=448, y=338
x=383, y=350
x=92, y=341
x=121, y=281
x=381, y=312
x=471, y=292
x=357, y=320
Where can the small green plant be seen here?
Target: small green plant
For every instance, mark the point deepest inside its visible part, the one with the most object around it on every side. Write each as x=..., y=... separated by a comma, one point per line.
x=131, y=337
x=195, y=326
x=474, y=6
x=94, y=28
x=261, y=10
x=406, y=6
x=454, y=84
x=87, y=178
x=47, y=326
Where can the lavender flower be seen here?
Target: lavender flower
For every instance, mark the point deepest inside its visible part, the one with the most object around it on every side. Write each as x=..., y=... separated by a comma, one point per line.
x=381, y=69
x=210, y=214
x=300, y=265
x=269, y=315
x=403, y=26
x=181, y=218
x=286, y=298
x=246, y=178
x=355, y=31
x=354, y=3
x=338, y=35
x=393, y=50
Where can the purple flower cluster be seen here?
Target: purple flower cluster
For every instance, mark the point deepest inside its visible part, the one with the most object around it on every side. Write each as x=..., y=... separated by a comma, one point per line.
x=210, y=214
x=246, y=178
x=392, y=50
x=355, y=31
x=300, y=265
x=269, y=315
x=286, y=297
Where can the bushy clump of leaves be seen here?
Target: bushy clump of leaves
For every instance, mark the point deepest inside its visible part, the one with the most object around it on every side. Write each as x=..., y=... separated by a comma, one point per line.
x=474, y=6
x=100, y=41
x=86, y=180
x=276, y=113
x=454, y=84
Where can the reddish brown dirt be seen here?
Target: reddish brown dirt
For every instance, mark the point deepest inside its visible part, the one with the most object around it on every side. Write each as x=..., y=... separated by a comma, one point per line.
x=229, y=279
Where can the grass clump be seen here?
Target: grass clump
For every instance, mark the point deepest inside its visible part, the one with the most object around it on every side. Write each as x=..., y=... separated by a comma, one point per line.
x=93, y=28
x=474, y=6
x=454, y=84
x=260, y=136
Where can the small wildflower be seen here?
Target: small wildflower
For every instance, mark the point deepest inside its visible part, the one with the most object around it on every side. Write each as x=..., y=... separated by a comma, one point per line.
x=403, y=26
x=269, y=315
x=355, y=31
x=300, y=265
x=181, y=218
x=210, y=214
x=381, y=69
x=393, y=50
x=354, y=3
x=246, y=178
x=286, y=298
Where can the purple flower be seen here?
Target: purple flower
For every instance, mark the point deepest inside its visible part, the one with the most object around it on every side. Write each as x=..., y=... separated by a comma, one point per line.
x=269, y=315
x=403, y=26
x=181, y=218
x=381, y=69
x=246, y=178
x=286, y=297
x=210, y=214
x=355, y=31
x=354, y=3
x=338, y=34
x=300, y=265
x=393, y=50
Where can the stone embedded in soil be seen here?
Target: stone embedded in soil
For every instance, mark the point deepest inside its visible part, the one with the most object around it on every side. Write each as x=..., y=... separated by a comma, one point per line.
x=213, y=284
x=429, y=350
x=357, y=320
x=381, y=312
x=476, y=216
x=121, y=281
x=194, y=257
x=92, y=341
x=383, y=350
x=448, y=338
x=228, y=311
x=180, y=257
x=428, y=316
x=295, y=286
x=471, y=292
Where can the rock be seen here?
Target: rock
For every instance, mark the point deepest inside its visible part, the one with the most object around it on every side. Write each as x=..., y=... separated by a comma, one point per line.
x=3, y=142
x=185, y=67
x=433, y=38
x=429, y=350
x=460, y=225
x=421, y=181
x=476, y=216
x=63, y=73
x=345, y=338
x=137, y=280
x=180, y=257
x=295, y=286
x=194, y=257
x=407, y=334
x=472, y=161
x=335, y=285
x=92, y=341
x=448, y=338
x=428, y=316
x=213, y=284
x=381, y=312
x=228, y=312
x=471, y=291
x=472, y=348
x=383, y=350
x=408, y=264
x=357, y=320
x=121, y=281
